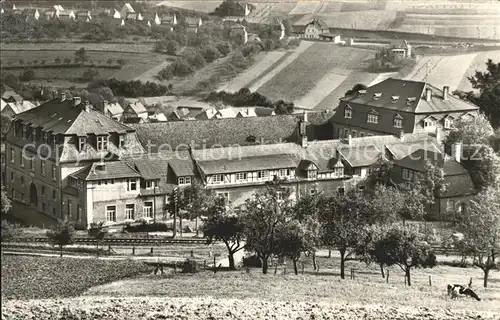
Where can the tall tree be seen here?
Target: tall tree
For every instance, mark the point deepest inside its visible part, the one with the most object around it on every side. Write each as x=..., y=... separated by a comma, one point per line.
x=61, y=234
x=488, y=84
x=342, y=222
x=291, y=242
x=469, y=131
x=195, y=200
x=480, y=224
x=223, y=225
x=263, y=215
x=405, y=248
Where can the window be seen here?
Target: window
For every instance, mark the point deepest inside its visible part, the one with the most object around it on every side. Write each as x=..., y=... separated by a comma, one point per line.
x=12, y=155
x=407, y=174
x=24, y=131
x=398, y=123
x=356, y=171
x=102, y=143
x=348, y=112
x=32, y=164
x=53, y=194
x=54, y=172
x=354, y=133
x=341, y=190
x=149, y=184
x=263, y=174
x=21, y=159
x=361, y=134
x=111, y=213
x=22, y=181
x=82, y=141
x=12, y=177
x=131, y=184
x=461, y=208
x=284, y=172
x=279, y=195
x=121, y=142
x=241, y=176
x=217, y=178
x=129, y=211
x=372, y=118
x=43, y=206
x=312, y=174
x=78, y=212
x=448, y=123
x=53, y=211
x=148, y=209
x=429, y=123
x=339, y=172
x=184, y=180
x=70, y=208
x=42, y=167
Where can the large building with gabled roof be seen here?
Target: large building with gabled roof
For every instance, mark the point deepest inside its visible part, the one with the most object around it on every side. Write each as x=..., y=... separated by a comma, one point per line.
x=395, y=105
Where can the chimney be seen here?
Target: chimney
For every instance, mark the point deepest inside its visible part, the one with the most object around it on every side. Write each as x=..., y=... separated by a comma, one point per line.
x=63, y=96
x=349, y=140
x=401, y=135
x=446, y=91
x=87, y=106
x=428, y=94
x=456, y=151
x=305, y=116
x=77, y=101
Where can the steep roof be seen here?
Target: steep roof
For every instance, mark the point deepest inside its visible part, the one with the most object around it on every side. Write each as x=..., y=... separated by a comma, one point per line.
x=182, y=166
x=21, y=106
x=319, y=23
x=263, y=162
x=403, y=90
x=137, y=107
x=110, y=170
x=114, y=108
x=62, y=116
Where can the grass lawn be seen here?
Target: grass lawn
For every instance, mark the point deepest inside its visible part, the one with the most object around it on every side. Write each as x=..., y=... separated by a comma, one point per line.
x=43, y=277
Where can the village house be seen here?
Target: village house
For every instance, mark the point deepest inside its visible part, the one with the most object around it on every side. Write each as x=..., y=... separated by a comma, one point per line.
x=64, y=15
x=10, y=95
x=126, y=9
x=134, y=111
x=314, y=29
x=11, y=109
x=84, y=16
x=168, y=19
x=193, y=24
x=395, y=105
x=117, y=14
x=401, y=49
x=113, y=110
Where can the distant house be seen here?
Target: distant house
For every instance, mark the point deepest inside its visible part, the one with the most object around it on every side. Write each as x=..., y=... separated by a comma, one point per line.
x=192, y=24
x=65, y=15
x=13, y=108
x=135, y=110
x=401, y=49
x=3, y=104
x=31, y=14
x=158, y=117
x=127, y=8
x=116, y=14
x=239, y=32
x=169, y=19
x=254, y=112
x=11, y=96
x=84, y=16
x=207, y=114
x=315, y=28
x=225, y=113
x=335, y=38
x=113, y=110
x=131, y=16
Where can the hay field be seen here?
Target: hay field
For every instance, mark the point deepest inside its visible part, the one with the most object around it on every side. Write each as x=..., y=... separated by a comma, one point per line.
x=306, y=7
x=479, y=64
x=200, y=6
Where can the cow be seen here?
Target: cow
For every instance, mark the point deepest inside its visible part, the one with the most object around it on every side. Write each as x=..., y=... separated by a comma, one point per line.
x=457, y=290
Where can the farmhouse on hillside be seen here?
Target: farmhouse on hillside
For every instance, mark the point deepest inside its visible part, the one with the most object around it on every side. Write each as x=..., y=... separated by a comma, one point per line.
x=135, y=110
x=192, y=24
x=393, y=106
x=127, y=8
x=401, y=49
x=315, y=28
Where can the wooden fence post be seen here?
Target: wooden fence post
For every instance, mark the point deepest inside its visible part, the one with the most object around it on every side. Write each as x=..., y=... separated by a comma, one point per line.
x=387, y=278
x=204, y=265
x=430, y=281
x=284, y=269
x=302, y=267
x=329, y=253
x=151, y=250
x=275, y=268
x=175, y=267
x=215, y=267
x=109, y=247
x=133, y=250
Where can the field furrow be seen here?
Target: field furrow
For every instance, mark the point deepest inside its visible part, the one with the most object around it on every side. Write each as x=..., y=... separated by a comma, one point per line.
x=253, y=72
x=304, y=45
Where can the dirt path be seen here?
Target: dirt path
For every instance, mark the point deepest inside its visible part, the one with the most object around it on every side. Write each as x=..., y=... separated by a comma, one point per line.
x=151, y=74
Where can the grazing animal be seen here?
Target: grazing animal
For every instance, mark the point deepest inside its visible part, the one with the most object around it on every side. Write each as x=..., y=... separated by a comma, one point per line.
x=457, y=290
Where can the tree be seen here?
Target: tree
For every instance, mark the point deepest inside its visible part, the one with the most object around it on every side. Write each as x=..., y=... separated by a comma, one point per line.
x=109, y=61
x=5, y=205
x=342, y=221
x=210, y=53
x=27, y=75
x=61, y=234
x=480, y=225
x=470, y=131
x=90, y=74
x=224, y=48
x=98, y=232
x=367, y=248
x=291, y=242
x=223, y=225
x=67, y=61
x=488, y=84
x=121, y=62
x=81, y=56
x=262, y=216
x=355, y=89
x=405, y=248
x=196, y=200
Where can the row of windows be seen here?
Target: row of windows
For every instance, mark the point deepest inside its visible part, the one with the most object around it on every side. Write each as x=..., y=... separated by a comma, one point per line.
x=31, y=162
x=344, y=133
x=147, y=211
x=33, y=134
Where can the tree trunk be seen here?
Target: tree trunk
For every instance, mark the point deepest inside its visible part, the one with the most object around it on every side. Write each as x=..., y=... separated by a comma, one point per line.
x=485, y=281
x=408, y=277
x=382, y=270
x=264, y=265
x=231, y=261
x=295, y=267
x=314, y=260
x=342, y=264
x=196, y=225
x=60, y=252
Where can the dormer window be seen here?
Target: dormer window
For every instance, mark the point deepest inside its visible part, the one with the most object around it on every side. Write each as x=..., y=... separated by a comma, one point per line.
x=361, y=92
x=398, y=121
x=448, y=123
x=184, y=180
x=121, y=141
x=410, y=100
x=394, y=99
x=377, y=96
x=102, y=143
x=82, y=141
x=429, y=123
x=372, y=117
x=348, y=112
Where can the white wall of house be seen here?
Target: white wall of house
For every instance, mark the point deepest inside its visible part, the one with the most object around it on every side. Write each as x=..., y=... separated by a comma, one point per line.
x=252, y=176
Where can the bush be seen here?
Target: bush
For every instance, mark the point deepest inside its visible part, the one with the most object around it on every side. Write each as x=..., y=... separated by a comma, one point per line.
x=252, y=262
x=27, y=75
x=224, y=48
x=90, y=75
x=154, y=227
x=80, y=226
x=190, y=266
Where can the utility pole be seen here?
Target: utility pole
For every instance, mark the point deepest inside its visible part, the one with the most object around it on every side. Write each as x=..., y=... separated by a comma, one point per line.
x=176, y=191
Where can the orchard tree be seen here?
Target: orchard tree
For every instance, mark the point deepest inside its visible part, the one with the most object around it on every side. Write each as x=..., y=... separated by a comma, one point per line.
x=81, y=56
x=61, y=234
x=98, y=232
x=291, y=242
x=342, y=221
x=405, y=248
x=223, y=225
x=195, y=200
x=480, y=224
x=263, y=215
x=367, y=249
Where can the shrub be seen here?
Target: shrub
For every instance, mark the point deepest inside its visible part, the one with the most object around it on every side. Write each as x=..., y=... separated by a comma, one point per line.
x=154, y=227
x=224, y=48
x=27, y=75
x=190, y=266
x=210, y=53
x=80, y=226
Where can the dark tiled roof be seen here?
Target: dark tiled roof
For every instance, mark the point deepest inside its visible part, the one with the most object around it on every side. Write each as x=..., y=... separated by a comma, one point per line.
x=361, y=157
x=267, y=162
x=418, y=159
x=225, y=132
x=111, y=170
x=458, y=185
x=66, y=118
x=182, y=167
